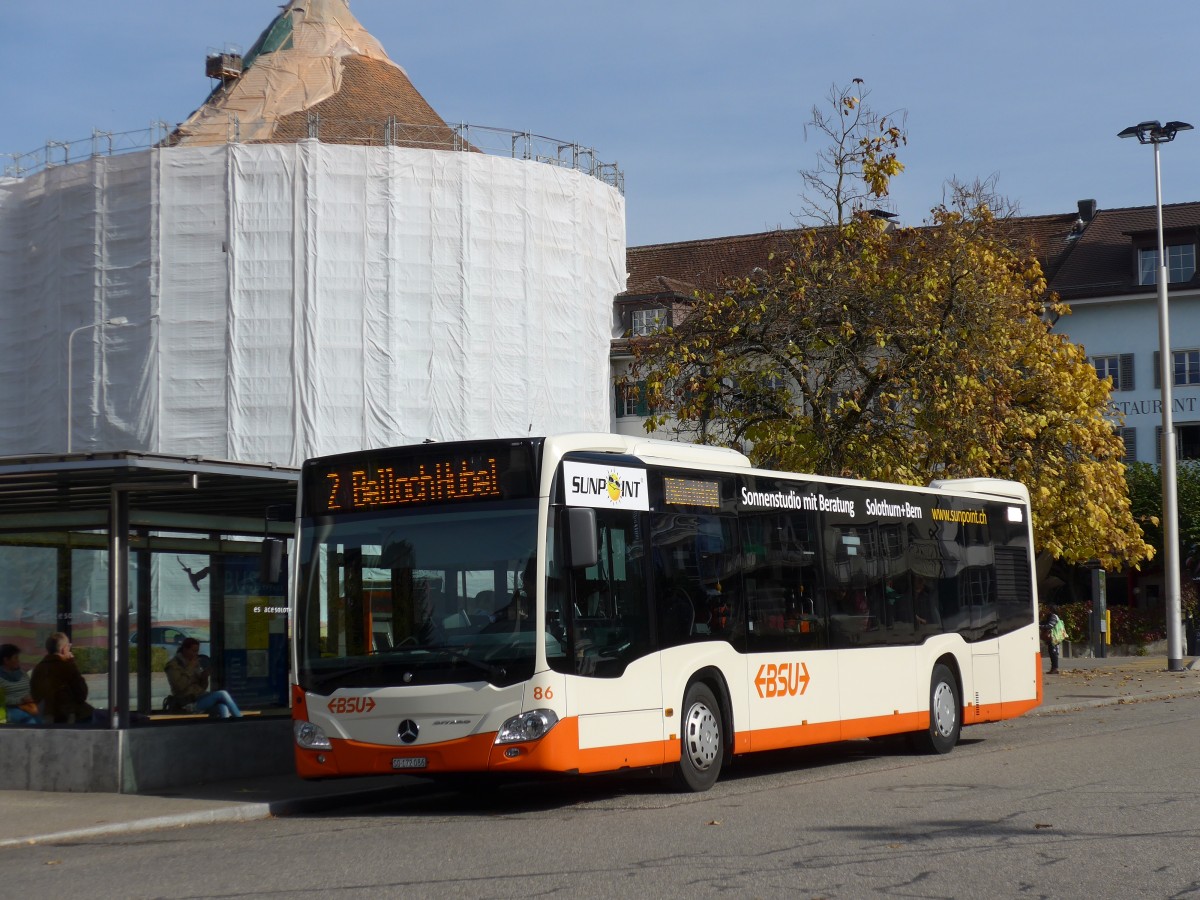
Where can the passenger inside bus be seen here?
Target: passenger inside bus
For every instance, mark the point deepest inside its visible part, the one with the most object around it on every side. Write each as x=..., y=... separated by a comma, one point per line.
x=925, y=605
x=521, y=607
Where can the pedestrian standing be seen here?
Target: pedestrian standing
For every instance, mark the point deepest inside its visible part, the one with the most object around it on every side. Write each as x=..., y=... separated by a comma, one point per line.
x=1056, y=633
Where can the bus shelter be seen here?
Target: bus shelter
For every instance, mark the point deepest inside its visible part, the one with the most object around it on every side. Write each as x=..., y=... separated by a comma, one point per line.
x=128, y=554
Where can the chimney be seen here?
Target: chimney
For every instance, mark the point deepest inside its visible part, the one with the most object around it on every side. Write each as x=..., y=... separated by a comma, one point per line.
x=1087, y=210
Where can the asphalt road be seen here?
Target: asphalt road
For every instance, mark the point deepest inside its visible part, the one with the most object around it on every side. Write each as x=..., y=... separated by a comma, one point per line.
x=1094, y=803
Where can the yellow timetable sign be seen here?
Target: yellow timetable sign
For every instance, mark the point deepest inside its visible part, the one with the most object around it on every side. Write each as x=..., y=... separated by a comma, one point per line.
x=692, y=492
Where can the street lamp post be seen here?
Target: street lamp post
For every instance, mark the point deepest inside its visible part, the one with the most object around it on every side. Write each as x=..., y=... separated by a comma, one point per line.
x=115, y=321
x=1154, y=133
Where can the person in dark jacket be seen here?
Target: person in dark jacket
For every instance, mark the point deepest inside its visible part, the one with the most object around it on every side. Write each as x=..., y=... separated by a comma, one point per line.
x=58, y=685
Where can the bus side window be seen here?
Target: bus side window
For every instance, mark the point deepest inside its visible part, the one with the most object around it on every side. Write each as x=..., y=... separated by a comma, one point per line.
x=786, y=604
x=697, y=576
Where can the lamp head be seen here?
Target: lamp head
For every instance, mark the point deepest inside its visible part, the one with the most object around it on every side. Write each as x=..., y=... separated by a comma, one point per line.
x=1152, y=132
x=117, y=320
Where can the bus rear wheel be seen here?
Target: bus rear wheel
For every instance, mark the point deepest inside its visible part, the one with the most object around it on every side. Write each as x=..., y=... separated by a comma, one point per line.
x=702, y=741
x=945, y=713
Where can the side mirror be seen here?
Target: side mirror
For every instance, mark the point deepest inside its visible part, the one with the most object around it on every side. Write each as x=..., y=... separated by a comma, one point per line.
x=582, y=540
x=270, y=562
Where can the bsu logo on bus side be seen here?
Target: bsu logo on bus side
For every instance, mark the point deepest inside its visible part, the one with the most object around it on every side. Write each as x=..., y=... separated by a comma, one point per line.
x=781, y=679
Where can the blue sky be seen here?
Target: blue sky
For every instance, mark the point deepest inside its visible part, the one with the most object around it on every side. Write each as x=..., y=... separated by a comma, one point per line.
x=702, y=104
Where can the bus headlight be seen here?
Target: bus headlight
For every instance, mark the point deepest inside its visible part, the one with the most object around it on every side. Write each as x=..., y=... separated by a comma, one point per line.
x=528, y=726
x=310, y=736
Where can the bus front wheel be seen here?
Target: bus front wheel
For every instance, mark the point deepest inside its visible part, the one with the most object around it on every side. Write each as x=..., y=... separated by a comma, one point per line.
x=702, y=741
x=945, y=713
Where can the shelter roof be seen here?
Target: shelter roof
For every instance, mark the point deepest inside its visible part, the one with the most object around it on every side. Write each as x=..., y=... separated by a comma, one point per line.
x=73, y=484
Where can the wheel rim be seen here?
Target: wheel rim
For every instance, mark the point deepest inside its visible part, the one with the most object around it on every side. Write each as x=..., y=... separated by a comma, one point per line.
x=944, y=713
x=702, y=736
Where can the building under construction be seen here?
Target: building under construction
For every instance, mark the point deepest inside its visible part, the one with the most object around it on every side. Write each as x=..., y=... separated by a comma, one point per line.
x=313, y=261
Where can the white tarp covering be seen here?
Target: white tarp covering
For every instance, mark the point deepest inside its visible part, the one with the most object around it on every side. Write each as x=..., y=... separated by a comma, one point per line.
x=289, y=300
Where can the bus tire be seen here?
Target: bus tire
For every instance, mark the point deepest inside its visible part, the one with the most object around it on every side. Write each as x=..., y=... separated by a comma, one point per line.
x=702, y=741
x=945, y=713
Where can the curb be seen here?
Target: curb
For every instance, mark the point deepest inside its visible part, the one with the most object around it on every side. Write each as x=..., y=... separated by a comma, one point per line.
x=246, y=813
x=1094, y=702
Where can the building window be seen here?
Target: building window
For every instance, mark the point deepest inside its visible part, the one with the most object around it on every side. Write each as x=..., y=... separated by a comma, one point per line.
x=1118, y=367
x=1181, y=264
x=631, y=400
x=1188, y=438
x=1187, y=442
x=647, y=321
x=1186, y=366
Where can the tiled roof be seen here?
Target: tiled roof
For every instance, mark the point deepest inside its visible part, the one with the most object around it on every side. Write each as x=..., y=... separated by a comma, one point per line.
x=371, y=91
x=703, y=265
x=316, y=61
x=1048, y=237
x=1102, y=262
x=706, y=265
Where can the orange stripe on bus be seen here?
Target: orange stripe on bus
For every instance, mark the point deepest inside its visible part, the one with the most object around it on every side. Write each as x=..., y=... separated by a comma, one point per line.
x=831, y=732
x=559, y=750
x=347, y=757
x=1037, y=674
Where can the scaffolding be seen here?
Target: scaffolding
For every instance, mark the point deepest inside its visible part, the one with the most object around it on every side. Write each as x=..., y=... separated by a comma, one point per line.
x=386, y=132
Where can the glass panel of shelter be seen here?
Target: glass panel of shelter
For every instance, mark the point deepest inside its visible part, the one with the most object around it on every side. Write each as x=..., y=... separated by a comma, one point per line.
x=59, y=581
x=223, y=601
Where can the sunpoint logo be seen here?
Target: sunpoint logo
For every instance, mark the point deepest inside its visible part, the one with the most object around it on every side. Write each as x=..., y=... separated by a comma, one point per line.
x=606, y=487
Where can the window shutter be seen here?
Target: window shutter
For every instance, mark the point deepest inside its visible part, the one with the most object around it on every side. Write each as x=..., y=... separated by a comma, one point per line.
x=1126, y=372
x=1129, y=436
x=643, y=408
x=1158, y=445
x=1157, y=371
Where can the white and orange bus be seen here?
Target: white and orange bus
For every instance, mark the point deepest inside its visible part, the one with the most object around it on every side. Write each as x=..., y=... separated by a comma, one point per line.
x=596, y=602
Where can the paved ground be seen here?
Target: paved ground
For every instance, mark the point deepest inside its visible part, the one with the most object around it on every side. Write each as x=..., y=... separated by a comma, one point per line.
x=31, y=816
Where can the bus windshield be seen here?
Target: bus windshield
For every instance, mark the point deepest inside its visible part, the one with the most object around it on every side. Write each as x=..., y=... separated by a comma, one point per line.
x=431, y=596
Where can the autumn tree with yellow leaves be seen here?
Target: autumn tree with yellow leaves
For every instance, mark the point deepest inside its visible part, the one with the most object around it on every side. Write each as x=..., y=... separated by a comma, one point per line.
x=901, y=354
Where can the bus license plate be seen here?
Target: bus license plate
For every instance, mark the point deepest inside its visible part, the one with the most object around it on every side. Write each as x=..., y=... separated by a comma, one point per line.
x=409, y=762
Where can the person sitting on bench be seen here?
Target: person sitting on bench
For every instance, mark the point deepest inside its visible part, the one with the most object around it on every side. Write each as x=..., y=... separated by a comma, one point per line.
x=188, y=678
